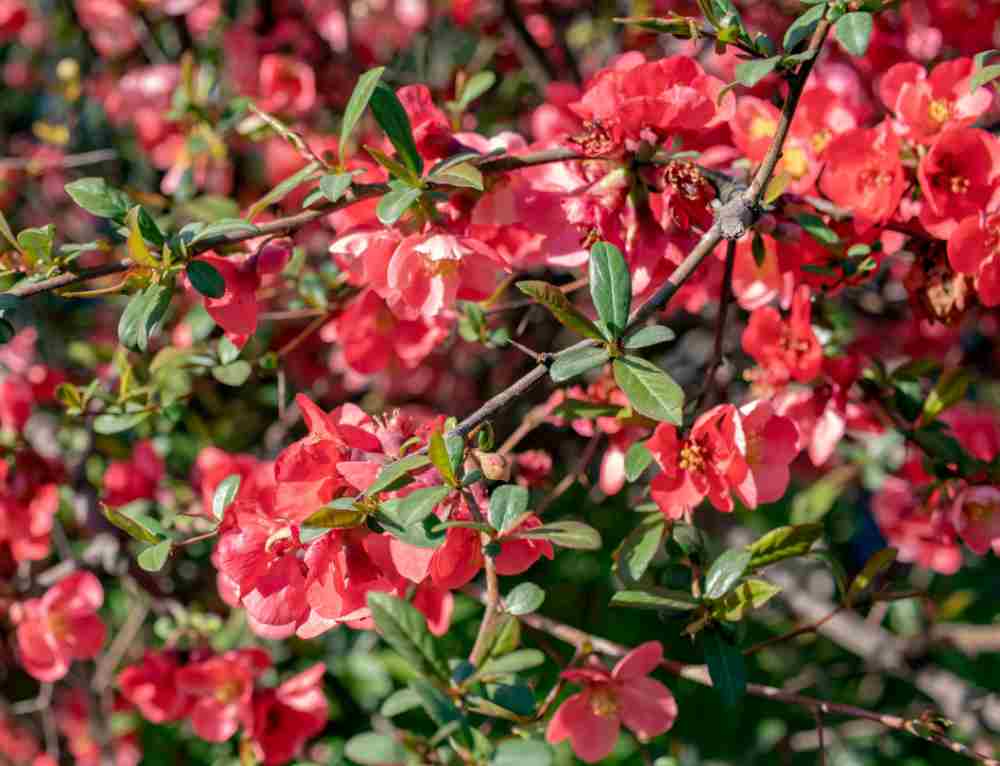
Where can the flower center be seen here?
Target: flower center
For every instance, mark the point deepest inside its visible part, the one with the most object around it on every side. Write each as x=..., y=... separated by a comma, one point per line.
x=939, y=110
x=979, y=512
x=820, y=140
x=873, y=178
x=958, y=184
x=227, y=691
x=280, y=542
x=58, y=625
x=604, y=702
x=796, y=162
x=762, y=127
x=596, y=140
x=692, y=456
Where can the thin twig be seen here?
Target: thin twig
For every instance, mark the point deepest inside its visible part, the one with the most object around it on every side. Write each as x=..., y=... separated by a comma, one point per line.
x=490, y=615
x=725, y=298
x=35, y=166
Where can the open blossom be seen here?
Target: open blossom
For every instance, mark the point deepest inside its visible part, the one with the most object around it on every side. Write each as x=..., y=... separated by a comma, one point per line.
x=285, y=717
x=134, y=479
x=29, y=500
x=771, y=445
x=287, y=85
x=222, y=689
x=929, y=104
x=785, y=349
x=61, y=626
x=708, y=462
x=974, y=249
x=635, y=100
x=591, y=719
x=958, y=178
x=976, y=516
x=864, y=174
x=150, y=686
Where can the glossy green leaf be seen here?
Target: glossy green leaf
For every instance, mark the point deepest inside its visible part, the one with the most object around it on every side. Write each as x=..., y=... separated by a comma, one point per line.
x=462, y=175
x=394, y=473
x=949, y=390
x=656, y=599
x=225, y=494
x=438, y=453
x=876, y=565
x=854, y=31
x=507, y=504
x=129, y=525
x=395, y=203
x=392, y=118
x=522, y=752
x=725, y=666
x=116, y=422
x=405, y=629
x=334, y=185
x=783, y=543
x=515, y=662
x=371, y=749
x=649, y=389
x=653, y=335
x=559, y=305
x=524, y=598
x=568, y=534
x=475, y=87
x=803, y=27
x=416, y=506
x=751, y=72
x=357, y=104
x=97, y=198
x=283, y=189
x=637, y=460
x=641, y=545
x=610, y=287
x=206, y=279
x=233, y=374
x=750, y=594
x=569, y=364
x=725, y=572
x=153, y=558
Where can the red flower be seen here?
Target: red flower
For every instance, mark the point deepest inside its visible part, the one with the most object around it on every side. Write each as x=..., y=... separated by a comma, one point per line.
x=287, y=85
x=771, y=444
x=706, y=463
x=134, y=479
x=29, y=500
x=222, y=689
x=61, y=626
x=958, y=178
x=929, y=105
x=976, y=516
x=789, y=349
x=150, y=685
x=864, y=174
x=973, y=249
x=592, y=718
x=236, y=311
x=286, y=717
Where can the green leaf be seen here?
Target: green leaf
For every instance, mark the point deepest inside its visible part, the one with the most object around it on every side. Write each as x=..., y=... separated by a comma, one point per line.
x=649, y=389
x=610, y=287
x=949, y=390
x=334, y=185
x=783, y=543
x=154, y=310
x=637, y=459
x=116, y=422
x=37, y=242
x=128, y=322
x=517, y=698
x=392, y=118
x=341, y=513
x=641, y=545
x=137, y=249
x=437, y=704
x=653, y=335
x=560, y=307
x=356, y=105
x=818, y=230
x=129, y=525
x=206, y=279
x=475, y=87
x=225, y=494
x=371, y=749
x=568, y=534
x=725, y=666
x=396, y=202
x=148, y=228
x=657, y=599
x=508, y=503
x=854, y=31
x=524, y=599
x=759, y=250
x=405, y=629
x=97, y=198
x=154, y=557
x=462, y=175
x=571, y=409
x=522, y=752
x=751, y=72
x=515, y=662
x=227, y=350
x=232, y=374
x=876, y=565
x=225, y=227
x=416, y=506
x=802, y=28
x=725, y=572
x=395, y=472
x=438, y=452
x=569, y=364
x=400, y=701
x=812, y=504
x=983, y=76
x=752, y=593
x=283, y=189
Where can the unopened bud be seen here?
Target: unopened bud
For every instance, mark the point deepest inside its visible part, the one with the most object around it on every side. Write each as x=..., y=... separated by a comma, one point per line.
x=495, y=467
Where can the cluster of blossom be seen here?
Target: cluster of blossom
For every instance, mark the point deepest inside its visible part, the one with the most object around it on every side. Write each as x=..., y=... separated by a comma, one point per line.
x=219, y=693
x=292, y=583
x=925, y=519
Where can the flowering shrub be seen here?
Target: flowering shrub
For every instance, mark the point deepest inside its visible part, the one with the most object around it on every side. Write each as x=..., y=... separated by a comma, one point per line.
x=499, y=383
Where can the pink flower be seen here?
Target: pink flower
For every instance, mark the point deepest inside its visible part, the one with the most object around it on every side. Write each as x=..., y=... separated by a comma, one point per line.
x=222, y=689
x=973, y=249
x=785, y=349
x=286, y=717
x=976, y=516
x=287, y=86
x=150, y=685
x=133, y=479
x=592, y=718
x=61, y=626
x=771, y=444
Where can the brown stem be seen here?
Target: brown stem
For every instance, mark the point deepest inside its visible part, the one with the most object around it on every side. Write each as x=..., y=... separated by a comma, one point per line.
x=35, y=166
x=810, y=628
x=725, y=298
x=490, y=615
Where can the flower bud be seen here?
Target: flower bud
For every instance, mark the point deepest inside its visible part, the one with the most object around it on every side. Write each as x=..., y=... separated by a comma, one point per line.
x=495, y=467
